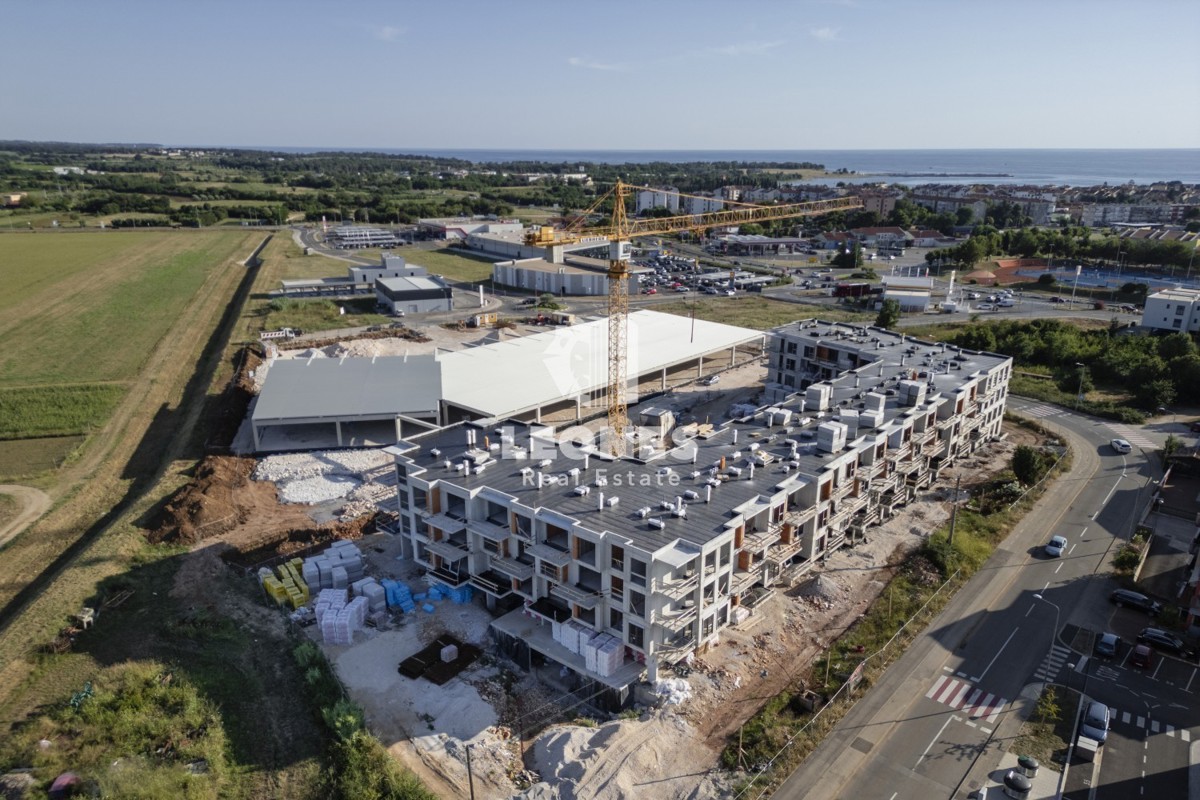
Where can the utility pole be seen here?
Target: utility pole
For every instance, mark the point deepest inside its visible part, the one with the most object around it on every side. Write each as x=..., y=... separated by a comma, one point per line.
x=954, y=508
x=470, y=777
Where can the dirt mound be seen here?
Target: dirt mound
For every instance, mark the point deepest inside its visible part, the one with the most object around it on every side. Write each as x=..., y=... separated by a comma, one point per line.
x=206, y=506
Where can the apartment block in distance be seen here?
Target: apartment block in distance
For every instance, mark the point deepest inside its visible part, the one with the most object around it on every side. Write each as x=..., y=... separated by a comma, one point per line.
x=603, y=570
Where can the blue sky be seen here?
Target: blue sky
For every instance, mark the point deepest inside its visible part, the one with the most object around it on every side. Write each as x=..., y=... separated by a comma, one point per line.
x=655, y=74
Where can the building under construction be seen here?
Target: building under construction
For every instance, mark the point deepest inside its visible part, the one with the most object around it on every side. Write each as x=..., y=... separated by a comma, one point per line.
x=609, y=568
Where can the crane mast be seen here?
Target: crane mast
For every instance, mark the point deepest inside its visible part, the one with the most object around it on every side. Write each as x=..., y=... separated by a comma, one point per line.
x=620, y=231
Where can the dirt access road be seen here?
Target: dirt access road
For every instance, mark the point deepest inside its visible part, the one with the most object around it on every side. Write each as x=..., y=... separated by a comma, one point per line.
x=34, y=503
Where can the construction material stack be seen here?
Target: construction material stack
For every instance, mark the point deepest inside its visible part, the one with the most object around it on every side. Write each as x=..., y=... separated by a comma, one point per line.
x=399, y=596
x=370, y=589
x=460, y=596
x=286, y=585
x=337, y=618
x=337, y=568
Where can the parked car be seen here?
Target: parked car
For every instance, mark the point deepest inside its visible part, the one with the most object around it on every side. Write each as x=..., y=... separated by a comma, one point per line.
x=1107, y=644
x=711, y=380
x=1196, y=426
x=1161, y=640
x=1125, y=597
x=651, y=290
x=1142, y=656
x=1057, y=299
x=973, y=296
x=1054, y=548
x=1096, y=719
x=1121, y=446
x=985, y=307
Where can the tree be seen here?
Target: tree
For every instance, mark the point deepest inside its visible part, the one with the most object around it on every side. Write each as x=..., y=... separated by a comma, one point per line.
x=1029, y=464
x=1176, y=345
x=889, y=314
x=1153, y=394
x=1046, y=279
x=1047, y=706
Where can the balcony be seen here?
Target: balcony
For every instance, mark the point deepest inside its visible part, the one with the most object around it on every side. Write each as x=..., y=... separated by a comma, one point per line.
x=677, y=647
x=492, y=583
x=742, y=581
x=446, y=523
x=844, y=489
x=782, y=552
x=579, y=595
x=677, y=588
x=512, y=567
x=451, y=578
x=799, y=516
x=447, y=550
x=488, y=530
x=549, y=555
x=675, y=617
x=759, y=540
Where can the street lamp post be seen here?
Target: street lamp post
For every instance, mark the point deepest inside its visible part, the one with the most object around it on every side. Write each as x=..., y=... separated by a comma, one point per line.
x=1079, y=394
x=1054, y=632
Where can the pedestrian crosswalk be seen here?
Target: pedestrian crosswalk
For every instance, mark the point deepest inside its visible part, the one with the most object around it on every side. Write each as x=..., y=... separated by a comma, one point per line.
x=1153, y=725
x=1039, y=410
x=1134, y=436
x=961, y=695
x=1052, y=663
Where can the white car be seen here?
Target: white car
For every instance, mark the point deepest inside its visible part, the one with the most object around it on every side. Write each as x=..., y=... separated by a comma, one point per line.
x=1121, y=446
x=1056, y=546
x=985, y=307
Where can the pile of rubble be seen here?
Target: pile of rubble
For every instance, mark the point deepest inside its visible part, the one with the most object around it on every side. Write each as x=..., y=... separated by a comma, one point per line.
x=320, y=476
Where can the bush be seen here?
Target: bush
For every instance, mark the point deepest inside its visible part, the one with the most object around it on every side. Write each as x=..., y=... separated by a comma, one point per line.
x=1127, y=559
x=1046, y=279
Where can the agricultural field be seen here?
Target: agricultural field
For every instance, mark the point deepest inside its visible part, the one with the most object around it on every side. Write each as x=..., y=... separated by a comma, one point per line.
x=81, y=315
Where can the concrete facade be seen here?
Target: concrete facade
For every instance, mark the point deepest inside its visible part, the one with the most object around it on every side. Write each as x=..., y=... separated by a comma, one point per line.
x=665, y=549
x=1173, y=310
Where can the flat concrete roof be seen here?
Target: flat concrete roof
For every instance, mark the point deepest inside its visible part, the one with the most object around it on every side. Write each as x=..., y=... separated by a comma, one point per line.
x=516, y=375
x=416, y=283
x=329, y=389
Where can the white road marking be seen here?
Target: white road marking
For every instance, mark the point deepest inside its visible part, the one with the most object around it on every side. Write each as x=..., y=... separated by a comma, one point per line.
x=1056, y=569
x=1044, y=588
x=937, y=687
x=988, y=731
x=933, y=741
x=1030, y=611
x=1071, y=550
x=1188, y=688
x=1156, y=669
x=998, y=652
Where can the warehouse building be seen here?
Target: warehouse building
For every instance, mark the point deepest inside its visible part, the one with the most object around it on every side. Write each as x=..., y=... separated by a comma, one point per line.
x=658, y=553
x=561, y=372
x=578, y=276
x=353, y=237
x=414, y=293
x=462, y=227
x=359, y=279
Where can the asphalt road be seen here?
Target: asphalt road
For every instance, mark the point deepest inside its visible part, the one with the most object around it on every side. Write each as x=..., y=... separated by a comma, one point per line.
x=937, y=721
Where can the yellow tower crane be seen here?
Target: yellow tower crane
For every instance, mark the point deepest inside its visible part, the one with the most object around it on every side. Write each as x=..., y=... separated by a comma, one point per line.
x=620, y=231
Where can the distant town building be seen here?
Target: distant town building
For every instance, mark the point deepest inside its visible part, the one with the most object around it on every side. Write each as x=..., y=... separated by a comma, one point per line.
x=1173, y=310
x=667, y=198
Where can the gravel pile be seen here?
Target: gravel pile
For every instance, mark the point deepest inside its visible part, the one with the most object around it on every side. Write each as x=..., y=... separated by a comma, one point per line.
x=367, y=499
x=320, y=476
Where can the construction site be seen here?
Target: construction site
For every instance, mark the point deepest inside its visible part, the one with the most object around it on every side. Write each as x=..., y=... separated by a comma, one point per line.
x=507, y=628
x=528, y=727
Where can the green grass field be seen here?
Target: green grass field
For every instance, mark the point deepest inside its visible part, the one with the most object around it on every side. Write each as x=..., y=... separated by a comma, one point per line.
x=85, y=307
x=756, y=311
x=40, y=411
x=80, y=315
x=24, y=458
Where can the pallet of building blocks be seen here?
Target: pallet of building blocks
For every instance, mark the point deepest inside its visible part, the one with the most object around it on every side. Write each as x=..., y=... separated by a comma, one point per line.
x=449, y=653
x=375, y=596
x=428, y=608
x=459, y=596
x=340, y=579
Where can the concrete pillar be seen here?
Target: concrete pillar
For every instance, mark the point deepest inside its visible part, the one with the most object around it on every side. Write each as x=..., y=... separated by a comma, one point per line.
x=257, y=444
x=537, y=414
x=399, y=435
x=700, y=367
x=733, y=355
x=578, y=407
x=664, y=379
x=652, y=668
x=338, y=426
